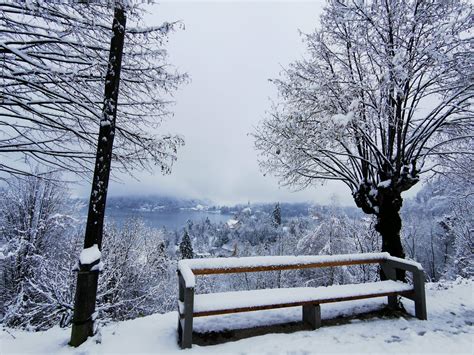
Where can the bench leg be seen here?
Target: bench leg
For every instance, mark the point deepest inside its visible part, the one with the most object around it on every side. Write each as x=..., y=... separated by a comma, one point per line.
x=420, y=309
x=392, y=302
x=391, y=274
x=420, y=298
x=185, y=333
x=312, y=315
x=180, y=331
x=185, y=321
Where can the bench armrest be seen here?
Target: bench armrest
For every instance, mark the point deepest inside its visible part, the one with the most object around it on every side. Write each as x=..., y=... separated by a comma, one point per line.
x=389, y=267
x=185, y=296
x=403, y=264
x=186, y=281
x=186, y=274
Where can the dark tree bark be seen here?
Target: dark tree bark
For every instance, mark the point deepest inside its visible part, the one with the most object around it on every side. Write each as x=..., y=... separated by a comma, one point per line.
x=87, y=279
x=389, y=225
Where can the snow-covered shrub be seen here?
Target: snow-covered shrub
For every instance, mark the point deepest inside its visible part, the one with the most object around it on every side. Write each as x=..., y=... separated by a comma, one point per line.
x=338, y=234
x=37, y=240
x=138, y=278
x=438, y=228
x=460, y=225
x=40, y=240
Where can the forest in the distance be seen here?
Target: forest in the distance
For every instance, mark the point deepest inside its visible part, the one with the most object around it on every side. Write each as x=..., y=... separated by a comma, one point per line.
x=139, y=272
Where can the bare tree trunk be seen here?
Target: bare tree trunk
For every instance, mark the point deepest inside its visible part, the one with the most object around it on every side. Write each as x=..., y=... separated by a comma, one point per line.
x=389, y=225
x=87, y=279
x=433, y=264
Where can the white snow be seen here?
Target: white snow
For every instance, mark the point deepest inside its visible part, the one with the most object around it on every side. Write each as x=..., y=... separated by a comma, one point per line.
x=247, y=210
x=232, y=223
x=342, y=119
x=449, y=330
x=406, y=261
x=187, y=265
x=98, y=267
x=90, y=255
x=188, y=276
x=385, y=183
x=268, y=261
x=257, y=298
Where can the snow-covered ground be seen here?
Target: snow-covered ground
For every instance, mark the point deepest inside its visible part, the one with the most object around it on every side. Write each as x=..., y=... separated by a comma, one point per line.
x=449, y=329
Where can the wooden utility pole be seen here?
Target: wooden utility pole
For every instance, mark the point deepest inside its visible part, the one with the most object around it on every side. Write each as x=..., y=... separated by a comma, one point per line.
x=87, y=277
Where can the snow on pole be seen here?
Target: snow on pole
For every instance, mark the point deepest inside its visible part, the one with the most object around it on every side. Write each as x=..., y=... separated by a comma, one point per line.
x=90, y=255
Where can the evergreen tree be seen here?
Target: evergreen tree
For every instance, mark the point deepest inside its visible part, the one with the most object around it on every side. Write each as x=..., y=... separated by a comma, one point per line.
x=277, y=215
x=185, y=247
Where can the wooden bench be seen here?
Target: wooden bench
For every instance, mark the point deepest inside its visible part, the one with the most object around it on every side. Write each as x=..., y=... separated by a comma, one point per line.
x=310, y=298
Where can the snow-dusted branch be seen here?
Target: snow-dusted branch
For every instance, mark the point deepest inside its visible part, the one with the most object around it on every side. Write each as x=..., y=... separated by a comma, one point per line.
x=372, y=102
x=53, y=61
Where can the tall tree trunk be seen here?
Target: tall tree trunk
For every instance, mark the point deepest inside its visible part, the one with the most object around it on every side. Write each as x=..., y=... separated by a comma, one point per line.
x=87, y=279
x=389, y=225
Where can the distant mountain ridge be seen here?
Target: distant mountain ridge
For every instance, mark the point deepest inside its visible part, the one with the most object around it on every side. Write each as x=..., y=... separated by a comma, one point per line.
x=168, y=204
x=155, y=203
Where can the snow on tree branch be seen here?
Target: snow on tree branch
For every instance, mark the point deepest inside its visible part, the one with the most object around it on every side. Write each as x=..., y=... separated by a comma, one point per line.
x=380, y=83
x=53, y=61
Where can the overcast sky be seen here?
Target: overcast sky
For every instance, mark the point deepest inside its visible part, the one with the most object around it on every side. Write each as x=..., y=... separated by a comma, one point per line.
x=230, y=50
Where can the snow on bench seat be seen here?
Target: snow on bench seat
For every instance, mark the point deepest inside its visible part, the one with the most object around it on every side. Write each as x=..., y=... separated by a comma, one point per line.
x=243, y=301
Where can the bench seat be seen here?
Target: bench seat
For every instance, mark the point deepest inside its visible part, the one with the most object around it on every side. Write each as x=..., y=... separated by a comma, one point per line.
x=244, y=301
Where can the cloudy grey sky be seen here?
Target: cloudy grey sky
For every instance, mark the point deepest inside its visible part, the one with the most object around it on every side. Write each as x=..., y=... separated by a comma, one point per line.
x=230, y=50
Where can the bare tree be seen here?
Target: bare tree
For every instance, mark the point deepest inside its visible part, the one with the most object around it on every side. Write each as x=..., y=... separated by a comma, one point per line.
x=37, y=230
x=137, y=279
x=61, y=70
x=53, y=65
x=455, y=171
x=383, y=81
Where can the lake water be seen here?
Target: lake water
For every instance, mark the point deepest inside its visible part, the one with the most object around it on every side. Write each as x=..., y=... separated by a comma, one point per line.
x=170, y=220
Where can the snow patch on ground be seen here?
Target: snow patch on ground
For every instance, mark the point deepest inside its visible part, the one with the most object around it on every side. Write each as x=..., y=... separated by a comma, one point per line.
x=449, y=329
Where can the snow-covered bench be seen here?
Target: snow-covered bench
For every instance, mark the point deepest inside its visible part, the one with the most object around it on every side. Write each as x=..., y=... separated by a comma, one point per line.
x=310, y=298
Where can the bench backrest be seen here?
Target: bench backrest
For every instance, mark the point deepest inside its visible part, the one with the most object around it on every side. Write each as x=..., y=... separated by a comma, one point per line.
x=206, y=266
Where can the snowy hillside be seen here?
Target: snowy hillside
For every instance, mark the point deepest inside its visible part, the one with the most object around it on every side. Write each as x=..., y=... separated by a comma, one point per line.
x=449, y=329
